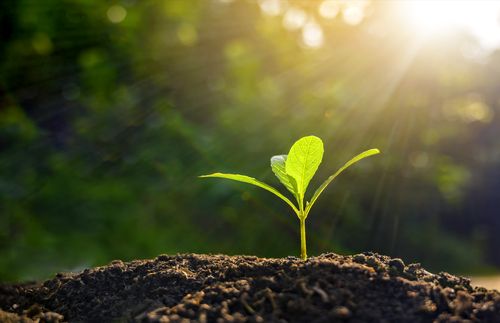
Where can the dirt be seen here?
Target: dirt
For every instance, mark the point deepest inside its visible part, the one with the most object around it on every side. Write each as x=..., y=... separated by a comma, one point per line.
x=216, y=288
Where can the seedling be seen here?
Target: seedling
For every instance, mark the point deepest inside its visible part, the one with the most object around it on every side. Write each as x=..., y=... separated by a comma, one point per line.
x=295, y=171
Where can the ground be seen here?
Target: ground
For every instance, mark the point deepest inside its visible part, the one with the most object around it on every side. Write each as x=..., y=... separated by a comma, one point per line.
x=218, y=288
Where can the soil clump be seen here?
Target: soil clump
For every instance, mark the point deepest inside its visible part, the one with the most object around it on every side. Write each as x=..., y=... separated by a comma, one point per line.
x=216, y=288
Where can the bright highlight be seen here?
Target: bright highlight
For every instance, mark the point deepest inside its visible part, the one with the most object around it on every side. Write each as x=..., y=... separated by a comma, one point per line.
x=478, y=17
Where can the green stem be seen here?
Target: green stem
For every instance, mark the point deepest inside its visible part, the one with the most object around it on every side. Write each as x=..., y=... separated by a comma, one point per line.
x=303, y=249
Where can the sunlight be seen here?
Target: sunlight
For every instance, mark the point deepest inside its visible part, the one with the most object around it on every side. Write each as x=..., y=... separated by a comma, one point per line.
x=312, y=35
x=480, y=17
x=294, y=19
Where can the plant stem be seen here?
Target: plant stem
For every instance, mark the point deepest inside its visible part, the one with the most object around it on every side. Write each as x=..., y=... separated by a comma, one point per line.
x=303, y=249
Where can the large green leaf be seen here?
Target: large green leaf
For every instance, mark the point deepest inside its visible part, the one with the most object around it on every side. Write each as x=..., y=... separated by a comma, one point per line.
x=278, y=166
x=303, y=161
x=331, y=178
x=253, y=181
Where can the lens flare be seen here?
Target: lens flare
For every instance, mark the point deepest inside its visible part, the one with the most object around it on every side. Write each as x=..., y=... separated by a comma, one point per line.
x=479, y=17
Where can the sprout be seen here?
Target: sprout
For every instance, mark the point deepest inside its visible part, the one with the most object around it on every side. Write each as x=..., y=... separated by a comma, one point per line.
x=295, y=171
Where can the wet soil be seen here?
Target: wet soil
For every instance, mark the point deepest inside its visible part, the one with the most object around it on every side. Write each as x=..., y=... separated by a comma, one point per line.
x=216, y=288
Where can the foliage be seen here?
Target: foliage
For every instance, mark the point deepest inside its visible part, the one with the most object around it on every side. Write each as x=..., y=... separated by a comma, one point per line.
x=108, y=111
x=295, y=171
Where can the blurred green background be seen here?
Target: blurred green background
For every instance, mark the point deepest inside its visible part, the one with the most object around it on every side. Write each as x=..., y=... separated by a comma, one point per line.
x=109, y=110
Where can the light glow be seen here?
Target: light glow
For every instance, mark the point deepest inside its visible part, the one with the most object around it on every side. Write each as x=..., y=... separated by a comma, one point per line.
x=312, y=35
x=479, y=17
x=116, y=14
x=272, y=7
x=294, y=19
x=329, y=9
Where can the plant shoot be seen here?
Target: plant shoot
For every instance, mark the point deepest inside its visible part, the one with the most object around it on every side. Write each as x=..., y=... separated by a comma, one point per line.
x=295, y=171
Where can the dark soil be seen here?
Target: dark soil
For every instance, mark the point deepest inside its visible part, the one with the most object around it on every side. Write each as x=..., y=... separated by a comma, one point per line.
x=329, y=288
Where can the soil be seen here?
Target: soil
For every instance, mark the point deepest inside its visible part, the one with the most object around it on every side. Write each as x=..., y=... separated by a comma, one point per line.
x=215, y=288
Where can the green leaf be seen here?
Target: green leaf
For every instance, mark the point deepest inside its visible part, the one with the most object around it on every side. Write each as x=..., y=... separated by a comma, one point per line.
x=253, y=181
x=320, y=189
x=278, y=166
x=303, y=161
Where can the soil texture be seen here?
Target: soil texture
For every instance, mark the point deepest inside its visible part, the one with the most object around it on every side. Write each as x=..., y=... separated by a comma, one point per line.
x=216, y=288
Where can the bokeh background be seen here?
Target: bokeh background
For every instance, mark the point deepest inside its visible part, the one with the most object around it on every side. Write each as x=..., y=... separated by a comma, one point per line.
x=109, y=110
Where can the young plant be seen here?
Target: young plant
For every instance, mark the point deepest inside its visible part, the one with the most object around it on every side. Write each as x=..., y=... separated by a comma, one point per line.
x=295, y=171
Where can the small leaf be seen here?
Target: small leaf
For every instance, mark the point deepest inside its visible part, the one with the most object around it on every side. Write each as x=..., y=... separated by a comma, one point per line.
x=253, y=181
x=322, y=187
x=278, y=166
x=303, y=161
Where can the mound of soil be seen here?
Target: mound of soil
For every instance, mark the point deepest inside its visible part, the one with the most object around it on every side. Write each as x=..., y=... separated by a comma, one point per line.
x=330, y=288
